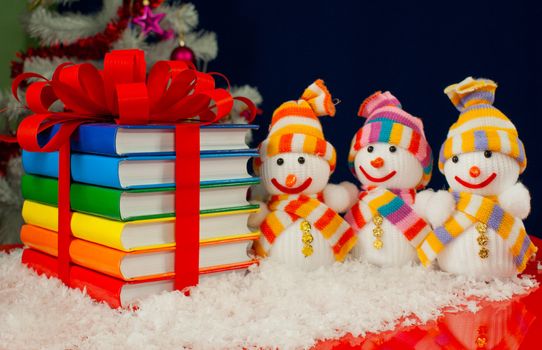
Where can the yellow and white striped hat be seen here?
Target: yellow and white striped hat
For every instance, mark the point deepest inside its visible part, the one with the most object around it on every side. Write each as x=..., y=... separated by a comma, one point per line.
x=480, y=126
x=295, y=127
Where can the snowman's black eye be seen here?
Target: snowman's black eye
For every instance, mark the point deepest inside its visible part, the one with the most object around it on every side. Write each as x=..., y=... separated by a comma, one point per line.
x=393, y=149
x=301, y=160
x=370, y=149
x=280, y=161
x=455, y=159
x=488, y=154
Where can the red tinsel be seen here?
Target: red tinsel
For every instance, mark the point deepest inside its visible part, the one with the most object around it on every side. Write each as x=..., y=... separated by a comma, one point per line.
x=91, y=48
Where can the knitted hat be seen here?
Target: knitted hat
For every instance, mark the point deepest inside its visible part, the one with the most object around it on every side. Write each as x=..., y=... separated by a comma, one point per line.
x=295, y=127
x=480, y=126
x=387, y=122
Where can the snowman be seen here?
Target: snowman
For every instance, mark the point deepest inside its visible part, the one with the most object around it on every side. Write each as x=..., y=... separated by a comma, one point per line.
x=392, y=159
x=299, y=223
x=478, y=228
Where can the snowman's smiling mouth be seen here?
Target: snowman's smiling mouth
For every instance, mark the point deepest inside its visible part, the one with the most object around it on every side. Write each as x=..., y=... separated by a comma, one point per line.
x=482, y=184
x=292, y=190
x=377, y=179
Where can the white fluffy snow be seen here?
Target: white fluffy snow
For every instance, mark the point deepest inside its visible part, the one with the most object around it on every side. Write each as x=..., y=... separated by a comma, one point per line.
x=271, y=307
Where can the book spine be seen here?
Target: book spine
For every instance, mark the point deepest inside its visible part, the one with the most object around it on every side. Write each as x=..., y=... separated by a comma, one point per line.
x=40, y=215
x=96, y=170
x=40, y=163
x=39, y=189
x=97, y=257
x=98, y=230
x=39, y=262
x=94, y=200
x=97, y=286
x=40, y=239
x=96, y=138
x=87, y=254
x=85, y=168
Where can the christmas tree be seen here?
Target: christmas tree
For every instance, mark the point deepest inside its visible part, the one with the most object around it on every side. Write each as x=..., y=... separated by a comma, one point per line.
x=83, y=31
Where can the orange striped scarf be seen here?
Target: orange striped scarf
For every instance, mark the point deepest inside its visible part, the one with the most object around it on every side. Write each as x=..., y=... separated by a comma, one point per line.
x=286, y=209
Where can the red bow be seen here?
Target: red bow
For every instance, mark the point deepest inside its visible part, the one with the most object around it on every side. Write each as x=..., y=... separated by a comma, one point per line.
x=173, y=92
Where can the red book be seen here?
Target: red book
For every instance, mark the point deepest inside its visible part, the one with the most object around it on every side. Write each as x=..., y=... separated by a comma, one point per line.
x=100, y=287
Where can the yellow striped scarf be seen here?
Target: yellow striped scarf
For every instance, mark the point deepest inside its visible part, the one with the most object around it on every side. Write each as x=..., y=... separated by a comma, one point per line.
x=286, y=209
x=473, y=208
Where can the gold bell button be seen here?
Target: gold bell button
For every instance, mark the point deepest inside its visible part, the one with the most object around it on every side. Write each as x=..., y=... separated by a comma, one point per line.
x=483, y=253
x=305, y=226
x=481, y=342
x=481, y=227
x=377, y=232
x=482, y=240
x=307, y=238
x=307, y=250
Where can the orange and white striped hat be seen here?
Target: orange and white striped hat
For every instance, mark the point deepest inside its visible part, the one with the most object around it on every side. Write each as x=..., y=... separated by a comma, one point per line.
x=295, y=127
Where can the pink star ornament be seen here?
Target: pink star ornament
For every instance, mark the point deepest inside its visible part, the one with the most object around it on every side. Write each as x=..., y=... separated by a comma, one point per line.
x=149, y=21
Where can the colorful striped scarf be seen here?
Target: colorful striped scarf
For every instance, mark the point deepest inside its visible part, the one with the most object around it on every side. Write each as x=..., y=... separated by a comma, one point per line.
x=396, y=208
x=472, y=208
x=286, y=209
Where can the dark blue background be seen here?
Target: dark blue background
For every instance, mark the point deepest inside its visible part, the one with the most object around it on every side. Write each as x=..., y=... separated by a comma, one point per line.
x=412, y=50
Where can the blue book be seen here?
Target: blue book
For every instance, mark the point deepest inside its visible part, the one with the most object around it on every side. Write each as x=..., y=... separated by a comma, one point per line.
x=123, y=140
x=140, y=171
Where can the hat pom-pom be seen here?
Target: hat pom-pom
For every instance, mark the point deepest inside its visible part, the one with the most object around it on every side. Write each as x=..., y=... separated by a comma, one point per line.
x=376, y=101
x=318, y=97
x=471, y=92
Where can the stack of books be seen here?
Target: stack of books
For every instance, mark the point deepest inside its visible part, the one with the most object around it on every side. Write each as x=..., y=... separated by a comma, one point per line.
x=123, y=203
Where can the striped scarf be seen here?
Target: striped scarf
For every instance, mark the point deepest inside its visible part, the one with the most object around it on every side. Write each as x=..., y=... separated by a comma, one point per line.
x=472, y=208
x=395, y=207
x=286, y=209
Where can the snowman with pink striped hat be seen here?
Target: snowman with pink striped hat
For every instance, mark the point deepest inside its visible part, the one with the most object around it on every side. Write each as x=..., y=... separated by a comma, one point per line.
x=392, y=159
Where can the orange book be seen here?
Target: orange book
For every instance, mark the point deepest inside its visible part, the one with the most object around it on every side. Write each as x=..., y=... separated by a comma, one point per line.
x=140, y=265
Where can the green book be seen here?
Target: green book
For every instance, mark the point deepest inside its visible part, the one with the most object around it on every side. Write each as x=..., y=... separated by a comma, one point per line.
x=137, y=204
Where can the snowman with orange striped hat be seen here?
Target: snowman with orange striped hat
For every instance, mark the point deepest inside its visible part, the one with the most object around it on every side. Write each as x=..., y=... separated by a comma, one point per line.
x=300, y=224
x=392, y=159
x=478, y=228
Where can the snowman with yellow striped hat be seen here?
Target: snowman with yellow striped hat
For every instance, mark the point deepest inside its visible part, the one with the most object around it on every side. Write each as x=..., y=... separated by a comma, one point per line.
x=478, y=228
x=300, y=224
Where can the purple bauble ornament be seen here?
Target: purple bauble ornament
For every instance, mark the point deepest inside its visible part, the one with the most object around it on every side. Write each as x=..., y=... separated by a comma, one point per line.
x=183, y=53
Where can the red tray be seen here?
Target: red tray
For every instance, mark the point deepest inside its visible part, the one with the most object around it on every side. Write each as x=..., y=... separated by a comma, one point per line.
x=513, y=324
x=509, y=325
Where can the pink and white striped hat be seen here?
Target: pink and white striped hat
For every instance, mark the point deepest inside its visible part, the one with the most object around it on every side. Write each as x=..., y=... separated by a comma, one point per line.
x=387, y=122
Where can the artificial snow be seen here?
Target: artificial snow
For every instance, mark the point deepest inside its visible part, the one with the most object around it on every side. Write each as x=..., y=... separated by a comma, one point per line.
x=270, y=307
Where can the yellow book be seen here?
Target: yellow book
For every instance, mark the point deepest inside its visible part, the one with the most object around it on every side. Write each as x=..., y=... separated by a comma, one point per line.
x=139, y=234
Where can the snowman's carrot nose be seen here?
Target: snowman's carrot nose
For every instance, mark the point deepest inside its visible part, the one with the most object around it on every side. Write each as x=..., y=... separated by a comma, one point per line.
x=474, y=171
x=377, y=162
x=291, y=179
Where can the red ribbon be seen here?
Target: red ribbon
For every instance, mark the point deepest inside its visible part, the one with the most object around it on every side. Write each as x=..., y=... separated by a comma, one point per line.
x=172, y=93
